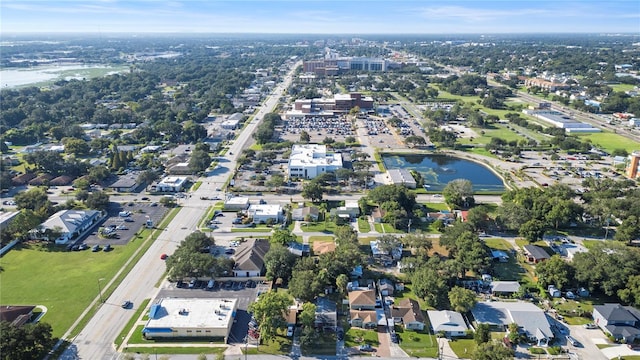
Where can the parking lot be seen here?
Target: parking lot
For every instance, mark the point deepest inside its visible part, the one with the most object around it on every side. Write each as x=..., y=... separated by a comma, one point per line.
x=245, y=290
x=318, y=128
x=126, y=227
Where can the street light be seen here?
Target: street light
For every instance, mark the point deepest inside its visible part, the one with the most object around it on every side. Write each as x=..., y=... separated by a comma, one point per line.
x=100, y=290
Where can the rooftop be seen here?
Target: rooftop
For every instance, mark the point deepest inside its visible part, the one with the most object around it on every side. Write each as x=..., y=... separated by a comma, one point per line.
x=192, y=313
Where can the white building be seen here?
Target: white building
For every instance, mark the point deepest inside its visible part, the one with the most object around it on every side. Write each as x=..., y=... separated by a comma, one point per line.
x=236, y=203
x=230, y=124
x=70, y=224
x=450, y=322
x=350, y=209
x=180, y=317
x=171, y=184
x=261, y=213
x=310, y=160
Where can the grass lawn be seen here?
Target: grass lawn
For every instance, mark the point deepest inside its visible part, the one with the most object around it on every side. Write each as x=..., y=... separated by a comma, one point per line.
x=492, y=131
x=313, y=239
x=280, y=345
x=355, y=337
x=257, y=229
x=27, y=267
x=323, y=226
x=589, y=244
x=610, y=141
x=463, y=347
x=323, y=344
x=604, y=346
x=196, y=185
x=176, y=350
x=388, y=228
x=378, y=227
x=435, y=207
x=363, y=225
x=512, y=270
x=574, y=312
x=417, y=343
x=621, y=87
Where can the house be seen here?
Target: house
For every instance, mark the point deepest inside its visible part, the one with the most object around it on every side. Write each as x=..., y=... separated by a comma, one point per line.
x=357, y=272
x=377, y=251
x=326, y=313
x=444, y=216
x=401, y=177
x=362, y=299
x=191, y=317
x=621, y=322
x=350, y=209
x=125, y=183
x=310, y=160
x=366, y=319
x=504, y=288
x=535, y=254
x=41, y=180
x=532, y=321
x=378, y=215
x=61, y=180
x=180, y=168
x=291, y=315
x=263, y=213
x=16, y=315
x=385, y=287
x=69, y=223
x=407, y=312
x=451, y=323
x=249, y=258
x=22, y=179
x=323, y=247
x=298, y=249
x=307, y=213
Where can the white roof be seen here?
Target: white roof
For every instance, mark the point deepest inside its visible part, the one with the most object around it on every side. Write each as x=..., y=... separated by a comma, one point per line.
x=313, y=154
x=505, y=286
x=173, y=180
x=194, y=313
x=6, y=216
x=446, y=320
x=265, y=210
x=68, y=220
x=351, y=204
x=237, y=200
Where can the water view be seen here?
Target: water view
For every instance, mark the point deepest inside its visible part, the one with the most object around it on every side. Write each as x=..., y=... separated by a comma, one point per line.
x=438, y=170
x=46, y=75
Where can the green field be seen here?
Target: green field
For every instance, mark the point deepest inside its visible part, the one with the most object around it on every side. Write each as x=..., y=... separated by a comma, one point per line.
x=622, y=87
x=417, y=343
x=65, y=282
x=610, y=141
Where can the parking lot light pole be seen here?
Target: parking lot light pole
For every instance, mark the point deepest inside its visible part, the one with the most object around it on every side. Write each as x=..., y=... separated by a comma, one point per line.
x=100, y=290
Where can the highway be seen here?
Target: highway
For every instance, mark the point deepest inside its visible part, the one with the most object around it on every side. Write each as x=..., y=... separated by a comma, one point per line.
x=95, y=341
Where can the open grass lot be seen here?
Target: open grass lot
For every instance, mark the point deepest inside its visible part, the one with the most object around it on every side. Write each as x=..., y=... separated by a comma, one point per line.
x=65, y=282
x=621, y=87
x=512, y=270
x=417, y=343
x=435, y=207
x=280, y=345
x=355, y=337
x=363, y=225
x=323, y=344
x=322, y=226
x=610, y=141
x=463, y=347
x=491, y=131
x=44, y=274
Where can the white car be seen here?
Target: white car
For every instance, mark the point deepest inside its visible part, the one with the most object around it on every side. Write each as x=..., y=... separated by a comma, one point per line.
x=290, y=331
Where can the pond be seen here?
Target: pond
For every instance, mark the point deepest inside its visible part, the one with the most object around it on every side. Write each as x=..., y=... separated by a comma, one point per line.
x=438, y=170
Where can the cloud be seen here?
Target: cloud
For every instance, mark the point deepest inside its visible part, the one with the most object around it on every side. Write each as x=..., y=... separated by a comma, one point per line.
x=477, y=14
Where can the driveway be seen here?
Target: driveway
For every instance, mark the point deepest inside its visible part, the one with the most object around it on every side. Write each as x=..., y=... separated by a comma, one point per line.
x=588, y=338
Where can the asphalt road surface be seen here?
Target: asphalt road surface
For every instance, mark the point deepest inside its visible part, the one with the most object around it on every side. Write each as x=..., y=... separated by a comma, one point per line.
x=95, y=341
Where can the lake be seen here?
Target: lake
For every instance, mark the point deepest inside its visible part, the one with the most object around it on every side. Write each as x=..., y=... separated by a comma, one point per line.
x=438, y=170
x=48, y=74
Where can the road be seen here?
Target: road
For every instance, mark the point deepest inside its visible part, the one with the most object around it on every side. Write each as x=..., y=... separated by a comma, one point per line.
x=95, y=341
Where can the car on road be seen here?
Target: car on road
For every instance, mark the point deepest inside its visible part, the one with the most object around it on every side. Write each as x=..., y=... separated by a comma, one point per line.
x=290, y=331
x=365, y=347
x=127, y=304
x=164, y=256
x=145, y=198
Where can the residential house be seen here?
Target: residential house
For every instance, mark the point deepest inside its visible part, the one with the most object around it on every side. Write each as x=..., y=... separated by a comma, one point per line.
x=69, y=223
x=408, y=313
x=298, y=249
x=621, y=322
x=378, y=215
x=125, y=183
x=385, y=287
x=532, y=321
x=451, y=323
x=504, y=288
x=444, y=216
x=305, y=213
x=61, y=180
x=16, y=315
x=249, y=258
x=350, y=209
x=535, y=254
x=366, y=319
x=41, y=180
x=326, y=313
x=323, y=247
x=362, y=299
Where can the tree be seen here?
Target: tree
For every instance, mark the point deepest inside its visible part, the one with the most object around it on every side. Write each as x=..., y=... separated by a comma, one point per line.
x=98, y=200
x=458, y=193
x=200, y=160
x=492, y=351
x=147, y=177
x=554, y=271
x=308, y=315
x=306, y=284
x=26, y=220
x=312, y=191
x=462, y=300
x=282, y=237
x=482, y=334
x=478, y=217
x=192, y=259
x=168, y=201
x=419, y=241
x=276, y=181
x=304, y=137
x=31, y=341
x=345, y=235
x=414, y=140
x=532, y=230
x=629, y=229
x=279, y=262
x=269, y=310
x=430, y=286
x=76, y=147
x=35, y=199
x=631, y=293
x=341, y=283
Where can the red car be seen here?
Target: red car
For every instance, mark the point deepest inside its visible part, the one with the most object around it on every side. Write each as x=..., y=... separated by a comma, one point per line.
x=163, y=256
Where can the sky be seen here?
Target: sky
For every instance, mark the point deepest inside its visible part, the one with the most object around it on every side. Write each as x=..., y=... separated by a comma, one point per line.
x=320, y=17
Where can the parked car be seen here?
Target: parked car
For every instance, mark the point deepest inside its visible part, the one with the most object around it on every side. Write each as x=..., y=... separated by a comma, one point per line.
x=192, y=283
x=83, y=246
x=95, y=248
x=107, y=248
x=366, y=347
x=394, y=338
x=229, y=251
x=590, y=326
x=573, y=341
x=290, y=331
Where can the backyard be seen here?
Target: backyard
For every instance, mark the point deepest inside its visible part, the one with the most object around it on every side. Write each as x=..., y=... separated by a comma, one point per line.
x=418, y=343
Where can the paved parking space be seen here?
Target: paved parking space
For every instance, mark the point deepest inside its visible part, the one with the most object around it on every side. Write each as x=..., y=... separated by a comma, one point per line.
x=140, y=212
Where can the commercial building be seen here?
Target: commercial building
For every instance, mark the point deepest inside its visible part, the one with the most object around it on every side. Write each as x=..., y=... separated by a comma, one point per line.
x=336, y=65
x=401, y=177
x=67, y=224
x=310, y=160
x=170, y=184
x=339, y=104
x=236, y=203
x=249, y=258
x=560, y=120
x=191, y=317
x=263, y=213
x=6, y=217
